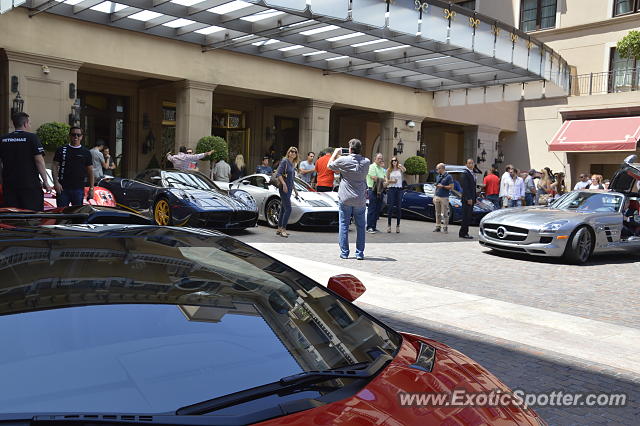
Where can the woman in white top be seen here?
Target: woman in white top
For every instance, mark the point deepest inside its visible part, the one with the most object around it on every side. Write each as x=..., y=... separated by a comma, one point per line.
x=394, y=192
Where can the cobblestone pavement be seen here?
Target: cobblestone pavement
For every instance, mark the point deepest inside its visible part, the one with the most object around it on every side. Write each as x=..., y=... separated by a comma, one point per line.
x=607, y=289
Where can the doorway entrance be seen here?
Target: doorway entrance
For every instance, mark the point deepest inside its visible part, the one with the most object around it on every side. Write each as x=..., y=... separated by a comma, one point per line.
x=104, y=117
x=231, y=126
x=287, y=135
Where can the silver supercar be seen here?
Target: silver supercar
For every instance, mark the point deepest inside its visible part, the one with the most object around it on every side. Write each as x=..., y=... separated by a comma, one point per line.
x=574, y=226
x=308, y=209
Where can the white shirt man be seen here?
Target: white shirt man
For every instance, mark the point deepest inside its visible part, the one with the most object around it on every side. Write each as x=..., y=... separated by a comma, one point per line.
x=503, y=181
x=514, y=189
x=582, y=183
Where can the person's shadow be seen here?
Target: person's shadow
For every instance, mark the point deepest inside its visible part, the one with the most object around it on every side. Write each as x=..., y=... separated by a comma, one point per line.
x=380, y=259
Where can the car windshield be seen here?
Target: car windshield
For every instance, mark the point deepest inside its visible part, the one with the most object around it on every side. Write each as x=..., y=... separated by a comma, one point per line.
x=144, y=319
x=302, y=186
x=187, y=181
x=588, y=202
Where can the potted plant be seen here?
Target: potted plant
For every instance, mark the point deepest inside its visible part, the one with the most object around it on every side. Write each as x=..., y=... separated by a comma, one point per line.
x=416, y=165
x=219, y=147
x=53, y=135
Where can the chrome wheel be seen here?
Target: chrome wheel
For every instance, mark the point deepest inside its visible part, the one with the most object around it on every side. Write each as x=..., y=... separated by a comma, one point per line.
x=584, y=245
x=580, y=246
x=272, y=212
x=162, y=213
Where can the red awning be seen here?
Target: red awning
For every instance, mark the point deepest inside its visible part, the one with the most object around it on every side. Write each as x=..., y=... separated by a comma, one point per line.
x=602, y=134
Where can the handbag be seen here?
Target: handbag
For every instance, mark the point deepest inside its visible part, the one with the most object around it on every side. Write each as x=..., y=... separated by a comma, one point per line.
x=274, y=179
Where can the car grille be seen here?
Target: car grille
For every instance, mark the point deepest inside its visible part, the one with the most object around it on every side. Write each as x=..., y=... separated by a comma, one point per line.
x=506, y=248
x=510, y=233
x=319, y=219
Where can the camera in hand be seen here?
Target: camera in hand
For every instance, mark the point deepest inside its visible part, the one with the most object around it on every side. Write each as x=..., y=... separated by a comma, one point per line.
x=345, y=151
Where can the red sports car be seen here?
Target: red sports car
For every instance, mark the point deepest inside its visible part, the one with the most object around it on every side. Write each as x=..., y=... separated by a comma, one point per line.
x=101, y=197
x=182, y=326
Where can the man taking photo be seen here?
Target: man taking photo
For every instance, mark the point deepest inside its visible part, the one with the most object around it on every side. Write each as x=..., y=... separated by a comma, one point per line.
x=351, y=194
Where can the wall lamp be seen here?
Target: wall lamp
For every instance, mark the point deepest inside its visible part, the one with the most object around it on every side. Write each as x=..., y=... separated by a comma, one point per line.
x=18, y=104
x=399, y=148
x=74, y=116
x=410, y=124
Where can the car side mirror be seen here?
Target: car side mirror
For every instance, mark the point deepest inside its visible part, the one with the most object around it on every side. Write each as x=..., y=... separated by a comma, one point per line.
x=347, y=286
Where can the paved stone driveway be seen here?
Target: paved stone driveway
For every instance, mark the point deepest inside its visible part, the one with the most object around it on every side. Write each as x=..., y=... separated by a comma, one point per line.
x=607, y=290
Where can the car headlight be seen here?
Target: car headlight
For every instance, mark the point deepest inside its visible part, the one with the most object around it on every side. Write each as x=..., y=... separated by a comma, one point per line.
x=245, y=197
x=553, y=226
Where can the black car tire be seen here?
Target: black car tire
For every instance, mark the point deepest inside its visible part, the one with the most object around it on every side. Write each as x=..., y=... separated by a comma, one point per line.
x=580, y=246
x=272, y=211
x=162, y=212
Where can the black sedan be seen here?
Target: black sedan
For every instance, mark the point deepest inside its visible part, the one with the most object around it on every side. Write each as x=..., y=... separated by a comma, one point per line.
x=183, y=198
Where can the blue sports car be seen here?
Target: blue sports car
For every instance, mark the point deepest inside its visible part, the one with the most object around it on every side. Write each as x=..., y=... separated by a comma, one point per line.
x=183, y=198
x=417, y=202
x=417, y=199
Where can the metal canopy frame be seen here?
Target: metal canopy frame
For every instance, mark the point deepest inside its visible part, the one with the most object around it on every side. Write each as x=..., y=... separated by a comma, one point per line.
x=267, y=28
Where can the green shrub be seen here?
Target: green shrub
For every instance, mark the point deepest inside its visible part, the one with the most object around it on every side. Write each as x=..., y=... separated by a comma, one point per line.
x=416, y=165
x=629, y=46
x=215, y=143
x=53, y=135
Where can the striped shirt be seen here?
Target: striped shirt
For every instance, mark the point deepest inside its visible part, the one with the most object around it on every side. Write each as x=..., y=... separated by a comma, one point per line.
x=182, y=161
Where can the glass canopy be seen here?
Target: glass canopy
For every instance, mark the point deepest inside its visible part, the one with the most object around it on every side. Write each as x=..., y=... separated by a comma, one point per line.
x=428, y=45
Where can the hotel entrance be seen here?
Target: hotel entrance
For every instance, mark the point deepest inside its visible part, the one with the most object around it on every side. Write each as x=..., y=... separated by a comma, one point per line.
x=104, y=117
x=231, y=126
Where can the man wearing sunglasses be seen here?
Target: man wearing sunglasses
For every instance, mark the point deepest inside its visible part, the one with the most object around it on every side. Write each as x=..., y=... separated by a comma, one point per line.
x=72, y=170
x=22, y=161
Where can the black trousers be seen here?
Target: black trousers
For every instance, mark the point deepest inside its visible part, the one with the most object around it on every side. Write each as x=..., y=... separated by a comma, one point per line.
x=24, y=198
x=324, y=188
x=467, y=210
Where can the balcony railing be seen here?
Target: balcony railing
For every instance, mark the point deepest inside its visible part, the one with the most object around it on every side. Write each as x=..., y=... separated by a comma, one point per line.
x=622, y=80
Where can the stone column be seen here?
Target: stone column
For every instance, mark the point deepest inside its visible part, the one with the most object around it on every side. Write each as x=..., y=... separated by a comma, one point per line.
x=395, y=127
x=48, y=86
x=314, y=126
x=194, y=109
x=488, y=138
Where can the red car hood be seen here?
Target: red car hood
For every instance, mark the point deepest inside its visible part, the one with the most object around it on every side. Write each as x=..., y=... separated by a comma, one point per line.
x=378, y=402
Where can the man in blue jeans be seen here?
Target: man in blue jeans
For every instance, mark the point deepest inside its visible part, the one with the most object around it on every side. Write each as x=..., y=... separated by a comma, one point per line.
x=72, y=170
x=353, y=169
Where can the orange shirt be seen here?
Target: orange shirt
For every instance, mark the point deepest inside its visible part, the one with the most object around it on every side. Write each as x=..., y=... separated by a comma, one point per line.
x=325, y=175
x=491, y=184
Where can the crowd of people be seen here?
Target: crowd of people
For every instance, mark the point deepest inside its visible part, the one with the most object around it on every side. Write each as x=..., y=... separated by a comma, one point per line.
x=534, y=187
x=359, y=180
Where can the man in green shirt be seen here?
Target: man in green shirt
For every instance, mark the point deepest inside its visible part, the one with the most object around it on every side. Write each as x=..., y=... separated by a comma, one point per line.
x=375, y=179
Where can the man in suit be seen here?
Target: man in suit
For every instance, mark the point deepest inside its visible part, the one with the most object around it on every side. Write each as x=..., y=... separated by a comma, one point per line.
x=468, y=198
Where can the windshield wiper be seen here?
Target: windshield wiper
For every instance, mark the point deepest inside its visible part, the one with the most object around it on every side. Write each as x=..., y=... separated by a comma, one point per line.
x=286, y=385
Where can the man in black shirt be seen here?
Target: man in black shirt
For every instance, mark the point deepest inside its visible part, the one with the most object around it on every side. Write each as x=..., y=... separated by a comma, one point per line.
x=72, y=169
x=22, y=161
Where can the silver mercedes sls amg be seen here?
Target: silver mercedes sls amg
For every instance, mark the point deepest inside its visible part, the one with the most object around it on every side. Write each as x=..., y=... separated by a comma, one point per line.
x=308, y=209
x=575, y=225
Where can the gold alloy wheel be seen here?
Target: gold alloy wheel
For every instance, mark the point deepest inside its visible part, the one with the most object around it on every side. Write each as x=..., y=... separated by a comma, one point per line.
x=161, y=212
